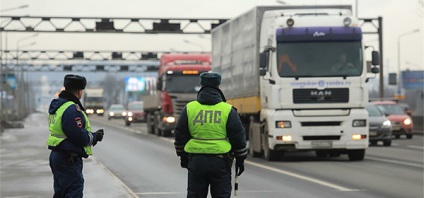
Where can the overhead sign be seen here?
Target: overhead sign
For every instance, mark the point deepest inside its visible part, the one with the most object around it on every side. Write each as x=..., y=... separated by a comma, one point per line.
x=135, y=84
x=413, y=80
x=11, y=80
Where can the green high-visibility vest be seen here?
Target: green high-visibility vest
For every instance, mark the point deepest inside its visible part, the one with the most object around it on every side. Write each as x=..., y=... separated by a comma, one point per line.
x=207, y=127
x=55, y=127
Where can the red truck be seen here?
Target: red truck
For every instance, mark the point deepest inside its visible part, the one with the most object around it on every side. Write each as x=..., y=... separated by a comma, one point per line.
x=177, y=84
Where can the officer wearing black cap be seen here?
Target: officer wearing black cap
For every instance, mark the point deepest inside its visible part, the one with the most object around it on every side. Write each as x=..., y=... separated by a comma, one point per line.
x=70, y=138
x=208, y=135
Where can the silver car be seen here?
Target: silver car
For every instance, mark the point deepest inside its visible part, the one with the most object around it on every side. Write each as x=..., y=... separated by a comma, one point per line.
x=116, y=111
x=380, y=126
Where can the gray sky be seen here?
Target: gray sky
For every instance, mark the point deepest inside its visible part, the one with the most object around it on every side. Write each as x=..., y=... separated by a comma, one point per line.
x=399, y=16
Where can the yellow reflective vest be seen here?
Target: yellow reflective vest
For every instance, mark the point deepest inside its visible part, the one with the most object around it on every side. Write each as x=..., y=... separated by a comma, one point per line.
x=207, y=127
x=55, y=127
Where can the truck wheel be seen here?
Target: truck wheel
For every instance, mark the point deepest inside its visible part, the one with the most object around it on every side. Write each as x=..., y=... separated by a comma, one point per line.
x=252, y=152
x=127, y=123
x=356, y=155
x=387, y=142
x=269, y=154
x=409, y=136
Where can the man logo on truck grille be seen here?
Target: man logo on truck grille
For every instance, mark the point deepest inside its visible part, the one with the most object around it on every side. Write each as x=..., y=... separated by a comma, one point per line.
x=320, y=95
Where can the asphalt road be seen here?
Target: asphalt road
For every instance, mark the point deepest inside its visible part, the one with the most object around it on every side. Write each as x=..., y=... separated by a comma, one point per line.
x=131, y=163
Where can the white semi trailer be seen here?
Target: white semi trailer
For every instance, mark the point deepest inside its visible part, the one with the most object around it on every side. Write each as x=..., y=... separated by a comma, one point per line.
x=282, y=68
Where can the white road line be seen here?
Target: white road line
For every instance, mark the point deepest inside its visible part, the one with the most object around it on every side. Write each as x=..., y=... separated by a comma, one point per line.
x=160, y=193
x=395, y=162
x=324, y=183
x=120, y=182
x=415, y=147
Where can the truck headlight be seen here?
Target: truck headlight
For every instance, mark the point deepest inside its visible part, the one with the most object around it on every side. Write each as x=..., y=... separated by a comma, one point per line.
x=407, y=121
x=358, y=137
x=100, y=111
x=282, y=124
x=124, y=113
x=111, y=114
x=169, y=119
x=130, y=113
x=386, y=124
x=359, y=123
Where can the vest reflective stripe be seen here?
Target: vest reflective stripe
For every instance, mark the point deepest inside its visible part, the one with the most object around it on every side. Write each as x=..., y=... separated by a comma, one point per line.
x=207, y=125
x=55, y=127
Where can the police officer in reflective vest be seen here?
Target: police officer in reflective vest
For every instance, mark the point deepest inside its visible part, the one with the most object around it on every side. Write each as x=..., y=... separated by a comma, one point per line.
x=208, y=135
x=70, y=138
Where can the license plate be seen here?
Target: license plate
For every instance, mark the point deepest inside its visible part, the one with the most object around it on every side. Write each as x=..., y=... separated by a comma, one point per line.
x=373, y=133
x=321, y=144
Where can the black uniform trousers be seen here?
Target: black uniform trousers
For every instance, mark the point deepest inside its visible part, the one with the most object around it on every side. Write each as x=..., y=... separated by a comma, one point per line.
x=205, y=171
x=67, y=175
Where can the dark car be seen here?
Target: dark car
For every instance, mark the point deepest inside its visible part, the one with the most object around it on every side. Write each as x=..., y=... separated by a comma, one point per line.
x=135, y=113
x=380, y=127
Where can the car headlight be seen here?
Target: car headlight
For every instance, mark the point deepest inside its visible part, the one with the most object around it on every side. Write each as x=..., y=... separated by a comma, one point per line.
x=130, y=114
x=169, y=119
x=111, y=114
x=386, y=124
x=359, y=123
x=282, y=124
x=407, y=121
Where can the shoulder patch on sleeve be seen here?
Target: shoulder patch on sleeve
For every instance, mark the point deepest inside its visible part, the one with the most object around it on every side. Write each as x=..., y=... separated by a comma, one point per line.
x=78, y=107
x=78, y=121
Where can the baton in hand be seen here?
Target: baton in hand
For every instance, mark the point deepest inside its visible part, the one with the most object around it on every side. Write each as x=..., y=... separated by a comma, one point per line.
x=235, y=181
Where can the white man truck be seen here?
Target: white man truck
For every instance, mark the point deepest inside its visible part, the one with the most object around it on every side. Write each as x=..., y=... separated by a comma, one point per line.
x=277, y=70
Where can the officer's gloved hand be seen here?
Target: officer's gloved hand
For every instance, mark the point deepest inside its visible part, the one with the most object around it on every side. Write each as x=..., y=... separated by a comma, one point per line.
x=99, y=135
x=239, y=166
x=184, y=160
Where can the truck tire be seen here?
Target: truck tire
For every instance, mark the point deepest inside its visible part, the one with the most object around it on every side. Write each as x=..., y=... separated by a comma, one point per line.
x=268, y=153
x=356, y=155
x=127, y=123
x=252, y=152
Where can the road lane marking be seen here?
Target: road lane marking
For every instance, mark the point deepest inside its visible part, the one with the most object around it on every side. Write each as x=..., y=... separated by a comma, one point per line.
x=395, y=162
x=323, y=183
x=119, y=181
x=415, y=147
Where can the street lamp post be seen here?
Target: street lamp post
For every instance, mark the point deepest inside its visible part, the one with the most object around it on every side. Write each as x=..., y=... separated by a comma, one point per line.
x=399, y=91
x=189, y=42
x=21, y=83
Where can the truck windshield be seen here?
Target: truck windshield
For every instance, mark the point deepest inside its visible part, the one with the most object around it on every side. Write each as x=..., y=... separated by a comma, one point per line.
x=182, y=83
x=319, y=59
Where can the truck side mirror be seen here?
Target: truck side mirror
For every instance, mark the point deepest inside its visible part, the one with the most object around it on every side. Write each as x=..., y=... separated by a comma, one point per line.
x=263, y=57
x=159, y=84
x=375, y=70
x=375, y=58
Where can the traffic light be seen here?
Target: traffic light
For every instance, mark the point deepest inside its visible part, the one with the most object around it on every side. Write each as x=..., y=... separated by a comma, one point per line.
x=392, y=79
